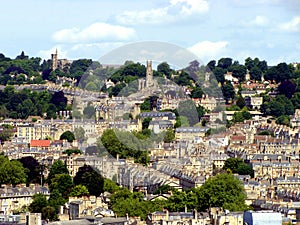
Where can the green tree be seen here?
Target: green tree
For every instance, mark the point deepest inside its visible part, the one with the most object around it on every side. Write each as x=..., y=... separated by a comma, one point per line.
x=169, y=136
x=255, y=73
x=197, y=92
x=211, y=65
x=188, y=109
x=164, y=68
x=284, y=120
x=237, y=165
x=89, y=112
x=228, y=91
x=11, y=172
x=56, y=199
x=39, y=201
x=33, y=167
x=163, y=189
x=240, y=102
x=79, y=134
x=232, y=164
x=219, y=74
x=90, y=178
x=79, y=191
x=67, y=135
x=146, y=122
x=72, y=151
x=222, y=190
x=239, y=71
x=110, y=186
x=224, y=63
x=58, y=167
x=63, y=183
x=5, y=134
x=49, y=213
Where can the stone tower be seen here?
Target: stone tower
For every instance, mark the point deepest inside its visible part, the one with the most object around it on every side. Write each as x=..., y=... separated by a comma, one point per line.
x=149, y=74
x=54, y=58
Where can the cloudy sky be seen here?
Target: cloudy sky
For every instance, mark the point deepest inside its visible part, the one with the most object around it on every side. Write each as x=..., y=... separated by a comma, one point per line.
x=267, y=29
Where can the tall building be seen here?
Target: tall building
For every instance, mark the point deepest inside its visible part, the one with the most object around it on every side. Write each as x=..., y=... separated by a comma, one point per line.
x=54, y=60
x=149, y=74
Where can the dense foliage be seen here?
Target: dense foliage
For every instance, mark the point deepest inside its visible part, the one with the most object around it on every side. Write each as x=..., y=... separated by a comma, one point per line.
x=223, y=190
x=11, y=171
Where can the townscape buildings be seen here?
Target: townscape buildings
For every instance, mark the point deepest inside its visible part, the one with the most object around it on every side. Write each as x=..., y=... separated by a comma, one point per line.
x=187, y=162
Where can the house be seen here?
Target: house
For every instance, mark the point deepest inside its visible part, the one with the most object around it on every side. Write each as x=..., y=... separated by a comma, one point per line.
x=190, y=132
x=38, y=147
x=174, y=218
x=13, y=198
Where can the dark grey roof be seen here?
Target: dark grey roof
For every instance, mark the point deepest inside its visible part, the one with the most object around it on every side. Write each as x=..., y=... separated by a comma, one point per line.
x=157, y=114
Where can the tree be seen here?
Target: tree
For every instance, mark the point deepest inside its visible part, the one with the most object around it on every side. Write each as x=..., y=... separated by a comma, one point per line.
x=169, y=136
x=222, y=190
x=164, y=68
x=59, y=100
x=163, y=189
x=79, y=134
x=239, y=71
x=146, y=122
x=188, y=109
x=89, y=112
x=79, y=191
x=88, y=177
x=63, y=183
x=39, y=201
x=237, y=165
x=58, y=167
x=11, y=172
x=224, y=63
x=228, y=91
x=110, y=186
x=287, y=88
x=232, y=164
x=197, y=92
x=240, y=102
x=72, y=151
x=219, y=74
x=33, y=167
x=255, y=73
x=67, y=135
x=56, y=199
x=244, y=169
x=211, y=65
x=284, y=120
x=5, y=134
x=146, y=105
x=49, y=213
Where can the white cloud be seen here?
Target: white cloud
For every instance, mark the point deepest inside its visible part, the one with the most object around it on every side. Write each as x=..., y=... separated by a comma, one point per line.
x=189, y=7
x=293, y=25
x=207, y=50
x=174, y=11
x=152, y=16
x=94, y=32
x=260, y=21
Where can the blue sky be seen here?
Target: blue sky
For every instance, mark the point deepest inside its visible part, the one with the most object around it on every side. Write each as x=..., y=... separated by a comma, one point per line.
x=267, y=29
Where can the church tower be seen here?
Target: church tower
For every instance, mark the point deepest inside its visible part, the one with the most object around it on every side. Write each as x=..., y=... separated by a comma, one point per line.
x=149, y=74
x=54, y=58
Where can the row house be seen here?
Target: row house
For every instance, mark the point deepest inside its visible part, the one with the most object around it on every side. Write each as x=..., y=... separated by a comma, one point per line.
x=270, y=166
x=14, y=198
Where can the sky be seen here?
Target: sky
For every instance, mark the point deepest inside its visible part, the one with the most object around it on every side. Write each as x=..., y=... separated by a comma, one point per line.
x=211, y=29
